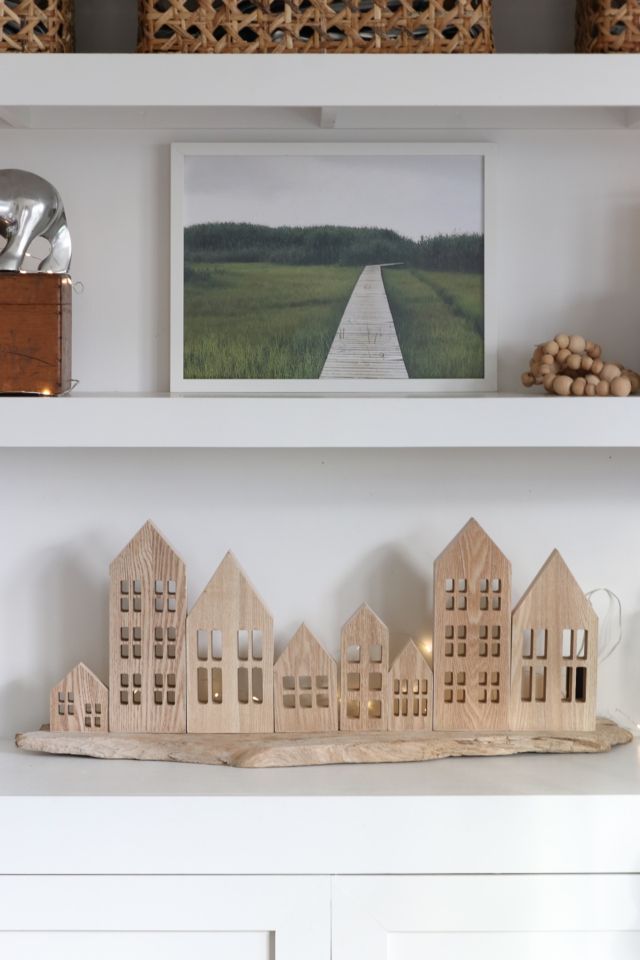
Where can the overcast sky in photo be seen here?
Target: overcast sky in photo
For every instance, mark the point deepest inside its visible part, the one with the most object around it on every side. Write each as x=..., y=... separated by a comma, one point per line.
x=416, y=196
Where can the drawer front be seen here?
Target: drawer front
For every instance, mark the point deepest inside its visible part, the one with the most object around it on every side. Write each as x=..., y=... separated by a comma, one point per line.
x=153, y=917
x=487, y=917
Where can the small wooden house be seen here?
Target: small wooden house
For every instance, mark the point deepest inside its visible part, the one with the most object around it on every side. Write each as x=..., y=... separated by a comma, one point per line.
x=147, y=617
x=410, y=696
x=305, y=687
x=79, y=703
x=229, y=656
x=472, y=629
x=364, y=663
x=554, y=654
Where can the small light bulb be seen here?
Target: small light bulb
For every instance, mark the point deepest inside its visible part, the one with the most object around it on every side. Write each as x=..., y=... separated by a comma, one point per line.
x=46, y=392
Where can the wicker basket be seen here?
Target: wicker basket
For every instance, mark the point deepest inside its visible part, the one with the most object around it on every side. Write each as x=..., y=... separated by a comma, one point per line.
x=315, y=26
x=36, y=26
x=608, y=26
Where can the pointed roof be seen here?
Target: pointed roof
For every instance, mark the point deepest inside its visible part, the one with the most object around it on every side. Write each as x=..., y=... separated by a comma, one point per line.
x=365, y=611
x=83, y=668
x=554, y=572
x=471, y=529
x=147, y=536
x=409, y=652
x=303, y=639
x=229, y=567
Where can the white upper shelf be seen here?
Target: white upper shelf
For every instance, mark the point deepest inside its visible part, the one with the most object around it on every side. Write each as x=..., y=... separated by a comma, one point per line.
x=319, y=422
x=136, y=86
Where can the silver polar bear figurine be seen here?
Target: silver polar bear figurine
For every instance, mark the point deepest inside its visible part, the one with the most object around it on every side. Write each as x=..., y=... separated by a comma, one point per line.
x=31, y=207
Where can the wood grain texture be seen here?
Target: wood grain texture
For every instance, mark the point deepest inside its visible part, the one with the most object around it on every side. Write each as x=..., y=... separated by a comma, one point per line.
x=79, y=703
x=551, y=690
x=410, y=691
x=229, y=686
x=364, y=663
x=147, y=617
x=35, y=333
x=471, y=635
x=297, y=750
x=305, y=686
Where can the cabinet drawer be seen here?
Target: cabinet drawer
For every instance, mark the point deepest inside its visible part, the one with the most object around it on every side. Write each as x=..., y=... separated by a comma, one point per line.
x=153, y=917
x=487, y=917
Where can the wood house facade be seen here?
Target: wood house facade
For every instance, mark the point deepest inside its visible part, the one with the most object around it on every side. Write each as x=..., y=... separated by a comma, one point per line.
x=79, y=703
x=410, y=691
x=554, y=654
x=305, y=687
x=364, y=664
x=472, y=633
x=229, y=656
x=147, y=616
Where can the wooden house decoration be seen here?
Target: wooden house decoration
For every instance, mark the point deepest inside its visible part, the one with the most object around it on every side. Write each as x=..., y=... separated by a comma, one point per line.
x=305, y=686
x=79, y=703
x=364, y=664
x=410, y=686
x=229, y=656
x=554, y=654
x=471, y=638
x=147, y=618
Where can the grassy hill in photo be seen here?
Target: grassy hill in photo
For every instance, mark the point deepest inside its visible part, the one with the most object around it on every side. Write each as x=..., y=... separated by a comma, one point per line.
x=265, y=302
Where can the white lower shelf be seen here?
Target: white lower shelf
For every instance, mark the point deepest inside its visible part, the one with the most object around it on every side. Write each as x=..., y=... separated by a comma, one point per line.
x=470, y=421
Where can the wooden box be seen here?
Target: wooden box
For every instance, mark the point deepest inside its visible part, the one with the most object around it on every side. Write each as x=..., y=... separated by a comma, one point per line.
x=35, y=333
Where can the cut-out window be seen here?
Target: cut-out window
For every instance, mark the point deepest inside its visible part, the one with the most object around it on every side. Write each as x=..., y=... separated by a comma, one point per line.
x=482, y=678
x=171, y=651
x=306, y=700
x=159, y=604
x=322, y=699
x=462, y=633
x=496, y=585
x=124, y=604
x=171, y=586
x=405, y=707
x=581, y=684
x=171, y=605
x=461, y=678
x=483, y=649
x=448, y=633
x=460, y=695
x=540, y=684
x=137, y=697
x=448, y=649
x=98, y=707
x=61, y=697
x=526, y=684
x=159, y=586
x=202, y=644
x=448, y=695
x=97, y=722
x=304, y=682
x=322, y=681
x=243, y=685
x=462, y=603
x=566, y=683
x=124, y=697
x=482, y=696
x=353, y=709
x=70, y=697
x=203, y=685
x=483, y=632
x=495, y=649
x=425, y=685
x=124, y=633
x=137, y=604
x=425, y=707
x=484, y=585
x=216, y=684
x=216, y=644
x=243, y=644
x=171, y=697
x=158, y=680
x=288, y=683
x=353, y=653
x=171, y=679
x=527, y=643
x=484, y=603
x=137, y=586
x=375, y=681
x=449, y=585
x=374, y=709
x=353, y=681
x=495, y=632
x=404, y=687
x=541, y=643
x=375, y=653
x=171, y=633
x=448, y=678
x=396, y=686
x=137, y=633
x=124, y=679
x=289, y=700
x=137, y=679
x=450, y=603
x=256, y=684
x=496, y=603
x=137, y=651
x=581, y=644
x=124, y=586
x=462, y=586
x=256, y=644
x=567, y=643
x=124, y=650
x=396, y=707
x=158, y=696
x=495, y=696
x=462, y=649
x=416, y=687
x=87, y=721
x=495, y=679
x=159, y=633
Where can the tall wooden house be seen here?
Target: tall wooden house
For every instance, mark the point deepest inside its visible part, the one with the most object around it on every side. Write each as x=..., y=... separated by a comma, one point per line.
x=229, y=656
x=147, y=616
x=471, y=638
x=554, y=654
x=305, y=686
x=79, y=703
x=410, y=691
x=364, y=663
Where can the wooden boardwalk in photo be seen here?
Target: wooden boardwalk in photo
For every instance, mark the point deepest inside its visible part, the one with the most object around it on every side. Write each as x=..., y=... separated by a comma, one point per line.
x=366, y=343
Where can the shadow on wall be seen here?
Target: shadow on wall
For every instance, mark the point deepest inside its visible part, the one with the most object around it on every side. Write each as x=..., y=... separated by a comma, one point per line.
x=67, y=624
x=396, y=589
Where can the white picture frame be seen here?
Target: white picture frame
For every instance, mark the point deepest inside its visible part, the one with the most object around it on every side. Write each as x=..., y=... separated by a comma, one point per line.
x=181, y=152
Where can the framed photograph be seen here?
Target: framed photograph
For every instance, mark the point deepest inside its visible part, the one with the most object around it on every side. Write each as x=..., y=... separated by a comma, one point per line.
x=332, y=268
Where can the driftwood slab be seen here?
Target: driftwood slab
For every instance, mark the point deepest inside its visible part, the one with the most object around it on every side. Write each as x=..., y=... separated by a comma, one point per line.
x=299, y=750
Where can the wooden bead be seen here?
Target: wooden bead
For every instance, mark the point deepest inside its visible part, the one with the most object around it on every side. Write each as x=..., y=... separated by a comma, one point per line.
x=562, y=386
x=551, y=347
x=634, y=380
x=577, y=343
x=548, y=381
x=620, y=387
x=597, y=367
x=610, y=371
x=528, y=379
x=587, y=363
x=538, y=354
x=548, y=358
x=578, y=386
x=602, y=390
x=562, y=340
x=590, y=390
x=562, y=355
x=592, y=379
x=595, y=351
x=573, y=361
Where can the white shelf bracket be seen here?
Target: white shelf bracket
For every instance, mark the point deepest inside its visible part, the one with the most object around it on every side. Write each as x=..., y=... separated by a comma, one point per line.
x=328, y=117
x=633, y=118
x=15, y=117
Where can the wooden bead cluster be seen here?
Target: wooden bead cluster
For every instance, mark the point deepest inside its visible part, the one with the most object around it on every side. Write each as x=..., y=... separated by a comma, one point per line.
x=573, y=366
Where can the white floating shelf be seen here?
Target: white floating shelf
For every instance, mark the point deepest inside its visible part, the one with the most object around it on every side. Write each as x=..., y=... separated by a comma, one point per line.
x=93, y=90
x=280, y=422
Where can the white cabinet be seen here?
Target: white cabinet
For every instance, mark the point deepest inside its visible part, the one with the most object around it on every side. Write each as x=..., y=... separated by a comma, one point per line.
x=487, y=917
x=157, y=917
